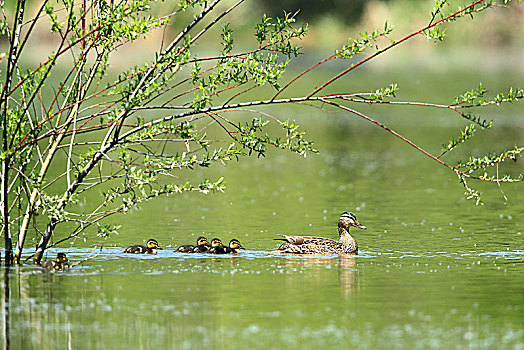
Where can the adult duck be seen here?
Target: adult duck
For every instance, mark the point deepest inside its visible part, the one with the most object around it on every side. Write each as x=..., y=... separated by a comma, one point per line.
x=320, y=245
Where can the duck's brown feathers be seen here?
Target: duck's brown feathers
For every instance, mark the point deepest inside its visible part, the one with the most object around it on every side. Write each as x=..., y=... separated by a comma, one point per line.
x=150, y=248
x=202, y=248
x=60, y=264
x=137, y=249
x=55, y=265
x=321, y=245
x=315, y=245
x=298, y=240
x=186, y=248
x=219, y=249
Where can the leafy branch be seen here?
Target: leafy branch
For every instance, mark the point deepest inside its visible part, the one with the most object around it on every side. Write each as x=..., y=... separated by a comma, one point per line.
x=131, y=135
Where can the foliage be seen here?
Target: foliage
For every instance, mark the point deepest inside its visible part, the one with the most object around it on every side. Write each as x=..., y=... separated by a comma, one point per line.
x=130, y=135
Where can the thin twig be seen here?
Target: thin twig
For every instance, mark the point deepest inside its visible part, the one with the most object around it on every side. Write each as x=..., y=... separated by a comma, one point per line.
x=88, y=258
x=498, y=184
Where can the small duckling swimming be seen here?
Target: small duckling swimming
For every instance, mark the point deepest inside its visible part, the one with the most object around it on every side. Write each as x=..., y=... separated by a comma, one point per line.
x=216, y=244
x=150, y=248
x=232, y=248
x=60, y=264
x=202, y=245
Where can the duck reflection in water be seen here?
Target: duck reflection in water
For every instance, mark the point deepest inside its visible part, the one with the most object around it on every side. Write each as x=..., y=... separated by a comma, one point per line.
x=317, y=265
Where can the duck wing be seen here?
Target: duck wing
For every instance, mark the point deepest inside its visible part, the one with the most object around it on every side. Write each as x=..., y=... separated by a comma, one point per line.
x=298, y=240
x=49, y=264
x=221, y=249
x=201, y=248
x=55, y=265
x=186, y=248
x=136, y=249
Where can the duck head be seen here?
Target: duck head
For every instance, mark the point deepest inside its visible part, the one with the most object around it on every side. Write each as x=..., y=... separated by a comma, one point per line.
x=152, y=244
x=202, y=241
x=215, y=242
x=235, y=244
x=349, y=219
x=61, y=258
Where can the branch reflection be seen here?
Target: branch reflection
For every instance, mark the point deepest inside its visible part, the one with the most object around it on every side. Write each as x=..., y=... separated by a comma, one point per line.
x=5, y=318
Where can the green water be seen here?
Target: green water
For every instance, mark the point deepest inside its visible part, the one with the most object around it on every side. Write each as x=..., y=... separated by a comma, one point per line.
x=433, y=270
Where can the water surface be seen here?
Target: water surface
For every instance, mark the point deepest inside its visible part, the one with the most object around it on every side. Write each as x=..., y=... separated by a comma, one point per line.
x=433, y=270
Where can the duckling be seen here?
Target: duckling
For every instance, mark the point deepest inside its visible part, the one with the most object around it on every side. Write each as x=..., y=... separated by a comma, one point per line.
x=60, y=264
x=201, y=242
x=216, y=246
x=202, y=247
x=320, y=245
x=150, y=248
x=232, y=248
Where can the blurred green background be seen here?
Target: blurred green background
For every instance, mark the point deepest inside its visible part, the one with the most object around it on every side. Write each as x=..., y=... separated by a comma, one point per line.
x=434, y=271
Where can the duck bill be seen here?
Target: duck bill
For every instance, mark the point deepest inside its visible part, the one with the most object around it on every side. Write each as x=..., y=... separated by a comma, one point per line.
x=157, y=247
x=241, y=247
x=359, y=225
